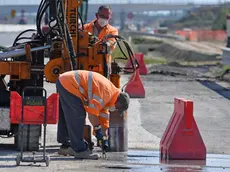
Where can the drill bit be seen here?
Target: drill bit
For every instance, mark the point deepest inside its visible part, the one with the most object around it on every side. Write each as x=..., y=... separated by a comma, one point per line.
x=104, y=154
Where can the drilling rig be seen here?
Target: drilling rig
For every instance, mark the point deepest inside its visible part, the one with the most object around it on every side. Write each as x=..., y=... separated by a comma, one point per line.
x=65, y=46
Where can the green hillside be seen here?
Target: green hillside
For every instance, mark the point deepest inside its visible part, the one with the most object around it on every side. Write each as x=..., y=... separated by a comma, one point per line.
x=205, y=18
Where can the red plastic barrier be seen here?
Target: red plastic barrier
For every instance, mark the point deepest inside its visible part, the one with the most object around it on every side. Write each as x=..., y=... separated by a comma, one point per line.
x=135, y=87
x=140, y=58
x=193, y=36
x=34, y=114
x=182, y=139
x=220, y=35
x=203, y=35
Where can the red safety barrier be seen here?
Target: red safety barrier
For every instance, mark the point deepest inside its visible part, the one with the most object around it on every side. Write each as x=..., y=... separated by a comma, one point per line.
x=203, y=35
x=135, y=87
x=140, y=58
x=34, y=114
x=128, y=66
x=182, y=139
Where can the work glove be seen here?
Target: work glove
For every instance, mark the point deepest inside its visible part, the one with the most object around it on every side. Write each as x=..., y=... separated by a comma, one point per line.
x=101, y=140
x=98, y=132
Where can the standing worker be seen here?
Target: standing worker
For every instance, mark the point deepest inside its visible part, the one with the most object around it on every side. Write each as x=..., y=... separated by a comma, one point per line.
x=84, y=91
x=100, y=27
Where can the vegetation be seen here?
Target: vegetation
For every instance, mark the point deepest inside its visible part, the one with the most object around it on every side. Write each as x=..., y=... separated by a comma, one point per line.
x=145, y=41
x=148, y=60
x=204, y=17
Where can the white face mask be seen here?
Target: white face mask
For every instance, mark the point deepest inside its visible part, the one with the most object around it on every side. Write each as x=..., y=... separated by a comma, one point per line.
x=103, y=22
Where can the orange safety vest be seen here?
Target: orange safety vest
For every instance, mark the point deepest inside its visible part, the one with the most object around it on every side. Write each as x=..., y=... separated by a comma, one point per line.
x=108, y=29
x=97, y=93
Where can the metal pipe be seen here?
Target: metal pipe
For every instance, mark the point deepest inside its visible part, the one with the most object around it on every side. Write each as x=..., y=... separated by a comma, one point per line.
x=20, y=52
x=118, y=132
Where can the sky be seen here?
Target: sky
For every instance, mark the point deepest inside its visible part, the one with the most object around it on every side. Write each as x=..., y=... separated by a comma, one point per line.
x=7, y=2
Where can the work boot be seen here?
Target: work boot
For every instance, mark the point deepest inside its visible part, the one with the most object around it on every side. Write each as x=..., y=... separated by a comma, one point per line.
x=66, y=150
x=87, y=154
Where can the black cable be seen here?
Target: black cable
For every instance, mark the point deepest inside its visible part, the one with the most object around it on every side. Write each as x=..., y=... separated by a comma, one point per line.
x=82, y=23
x=72, y=53
x=18, y=37
x=39, y=20
x=66, y=35
x=131, y=55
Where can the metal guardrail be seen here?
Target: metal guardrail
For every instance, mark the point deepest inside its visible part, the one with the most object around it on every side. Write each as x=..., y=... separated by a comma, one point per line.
x=159, y=35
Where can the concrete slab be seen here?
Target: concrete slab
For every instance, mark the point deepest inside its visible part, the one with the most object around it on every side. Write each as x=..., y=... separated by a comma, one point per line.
x=147, y=121
x=211, y=112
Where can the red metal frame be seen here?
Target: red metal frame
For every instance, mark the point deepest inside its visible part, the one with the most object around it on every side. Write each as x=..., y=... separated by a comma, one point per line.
x=34, y=114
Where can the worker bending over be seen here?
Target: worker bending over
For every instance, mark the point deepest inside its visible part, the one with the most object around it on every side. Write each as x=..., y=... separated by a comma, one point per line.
x=100, y=27
x=83, y=91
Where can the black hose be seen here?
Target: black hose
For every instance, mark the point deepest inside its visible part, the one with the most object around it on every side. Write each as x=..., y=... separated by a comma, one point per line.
x=39, y=20
x=133, y=60
x=18, y=37
x=72, y=53
x=82, y=23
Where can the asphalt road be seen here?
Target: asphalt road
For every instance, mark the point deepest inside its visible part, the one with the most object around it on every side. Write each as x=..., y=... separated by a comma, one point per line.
x=147, y=121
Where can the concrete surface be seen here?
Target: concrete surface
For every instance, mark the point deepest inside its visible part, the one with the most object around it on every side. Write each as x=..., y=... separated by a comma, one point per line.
x=134, y=160
x=147, y=121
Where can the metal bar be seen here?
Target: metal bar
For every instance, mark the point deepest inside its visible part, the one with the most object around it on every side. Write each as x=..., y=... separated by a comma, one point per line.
x=20, y=52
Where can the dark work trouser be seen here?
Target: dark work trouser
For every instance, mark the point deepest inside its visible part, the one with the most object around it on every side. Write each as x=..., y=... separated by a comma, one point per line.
x=71, y=120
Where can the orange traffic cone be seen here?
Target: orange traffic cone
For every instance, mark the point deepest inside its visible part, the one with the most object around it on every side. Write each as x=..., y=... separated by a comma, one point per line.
x=135, y=87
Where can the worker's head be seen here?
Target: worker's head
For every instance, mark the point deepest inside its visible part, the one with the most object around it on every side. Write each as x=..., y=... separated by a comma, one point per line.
x=122, y=103
x=103, y=15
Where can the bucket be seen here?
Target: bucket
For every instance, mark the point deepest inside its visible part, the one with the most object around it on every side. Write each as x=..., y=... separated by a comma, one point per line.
x=118, y=132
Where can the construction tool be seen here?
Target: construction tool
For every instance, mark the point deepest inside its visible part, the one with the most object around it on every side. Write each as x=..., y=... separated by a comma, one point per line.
x=66, y=47
x=28, y=101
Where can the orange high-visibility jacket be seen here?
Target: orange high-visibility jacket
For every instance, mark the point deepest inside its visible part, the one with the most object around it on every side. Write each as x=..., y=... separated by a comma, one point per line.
x=97, y=93
x=108, y=29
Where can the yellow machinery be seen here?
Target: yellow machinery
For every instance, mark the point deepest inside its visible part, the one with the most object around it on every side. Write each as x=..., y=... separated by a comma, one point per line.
x=66, y=46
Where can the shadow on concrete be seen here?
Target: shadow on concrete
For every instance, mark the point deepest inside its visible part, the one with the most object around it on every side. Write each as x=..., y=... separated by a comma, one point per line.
x=225, y=92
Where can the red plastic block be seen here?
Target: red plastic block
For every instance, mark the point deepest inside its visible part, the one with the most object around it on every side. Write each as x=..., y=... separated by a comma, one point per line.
x=135, y=87
x=182, y=139
x=34, y=114
x=140, y=58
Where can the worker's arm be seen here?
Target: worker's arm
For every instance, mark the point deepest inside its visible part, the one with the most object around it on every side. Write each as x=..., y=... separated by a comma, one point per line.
x=99, y=118
x=102, y=120
x=111, y=42
x=111, y=45
x=97, y=114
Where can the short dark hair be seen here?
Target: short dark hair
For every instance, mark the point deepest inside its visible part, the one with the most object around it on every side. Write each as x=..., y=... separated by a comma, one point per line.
x=102, y=7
